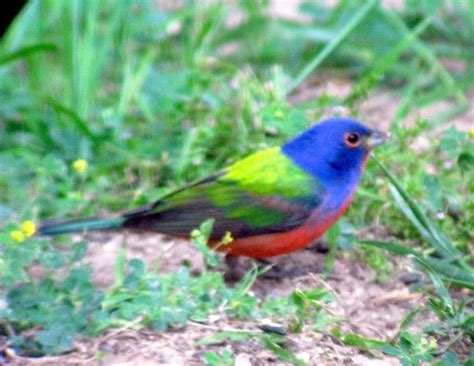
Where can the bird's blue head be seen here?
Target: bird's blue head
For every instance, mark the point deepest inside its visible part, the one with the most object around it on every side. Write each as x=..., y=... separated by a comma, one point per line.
x=334, y=150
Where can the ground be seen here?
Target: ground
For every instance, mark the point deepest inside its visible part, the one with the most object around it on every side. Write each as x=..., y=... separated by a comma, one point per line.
x=362, y=301
x=370, y=308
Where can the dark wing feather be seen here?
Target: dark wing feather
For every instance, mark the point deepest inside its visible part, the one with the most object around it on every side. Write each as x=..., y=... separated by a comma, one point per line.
x=234, y=210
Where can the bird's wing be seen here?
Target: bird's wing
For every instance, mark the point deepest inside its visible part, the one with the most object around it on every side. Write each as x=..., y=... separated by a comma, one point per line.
x=264, y=193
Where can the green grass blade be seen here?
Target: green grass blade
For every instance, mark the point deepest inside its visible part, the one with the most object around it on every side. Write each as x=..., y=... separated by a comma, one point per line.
x=437, y=282
x=454, y=274
x=271, y=342
x=20, y=28
x=352, y=339
x=405, y=208
x=414, y=213
x=27, y=51
x=381, y=66
x=331, y=46
x=333, y=234
x=429, y=57
x=408, y=319
x=77, y=121
x=406, y=102
x=120, y=266
x=391, y=247
x=89, y=49
x=134, y=79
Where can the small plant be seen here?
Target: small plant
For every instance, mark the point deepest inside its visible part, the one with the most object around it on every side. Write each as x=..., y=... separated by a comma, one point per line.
x=412, y=350
x=225, y=358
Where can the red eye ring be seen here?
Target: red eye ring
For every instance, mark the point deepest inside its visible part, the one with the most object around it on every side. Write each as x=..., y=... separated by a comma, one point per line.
x=352, y=139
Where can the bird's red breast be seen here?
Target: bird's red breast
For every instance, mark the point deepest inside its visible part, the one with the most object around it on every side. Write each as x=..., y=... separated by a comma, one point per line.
x=270, y=245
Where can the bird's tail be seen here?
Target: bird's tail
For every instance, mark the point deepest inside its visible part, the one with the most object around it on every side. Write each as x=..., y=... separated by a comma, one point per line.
x=81, y=225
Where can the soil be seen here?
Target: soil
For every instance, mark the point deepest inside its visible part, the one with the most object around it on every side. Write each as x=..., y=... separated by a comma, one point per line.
x=361, y=300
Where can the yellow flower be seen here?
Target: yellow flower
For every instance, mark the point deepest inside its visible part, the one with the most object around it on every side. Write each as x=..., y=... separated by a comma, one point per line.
x=279, y=114
x=18, y=236
x=80, y=166
x=235, y=304
x=227, y=238
x=471, y=133
x=28, y=227
x=433, y=343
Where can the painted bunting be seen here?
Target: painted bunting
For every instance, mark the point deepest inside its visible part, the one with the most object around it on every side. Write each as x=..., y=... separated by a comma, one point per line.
x=273, y=202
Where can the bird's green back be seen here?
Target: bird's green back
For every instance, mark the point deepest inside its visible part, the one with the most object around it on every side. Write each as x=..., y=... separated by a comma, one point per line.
x=269, y=172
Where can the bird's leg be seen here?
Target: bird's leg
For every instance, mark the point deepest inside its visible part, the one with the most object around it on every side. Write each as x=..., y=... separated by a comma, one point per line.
x=234, y=271
x=320, y=246
x=276, y=272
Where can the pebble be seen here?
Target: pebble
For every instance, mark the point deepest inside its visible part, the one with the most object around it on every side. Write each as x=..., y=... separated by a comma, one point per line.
x=409, y=278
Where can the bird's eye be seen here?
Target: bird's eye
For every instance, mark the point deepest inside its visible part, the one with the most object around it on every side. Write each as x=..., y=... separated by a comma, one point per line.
x=352, y=139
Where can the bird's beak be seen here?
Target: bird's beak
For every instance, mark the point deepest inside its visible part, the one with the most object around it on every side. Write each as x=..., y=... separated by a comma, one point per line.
x=377, y=138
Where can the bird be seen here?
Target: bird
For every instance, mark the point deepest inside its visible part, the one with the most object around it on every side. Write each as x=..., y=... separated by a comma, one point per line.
x=273, y=202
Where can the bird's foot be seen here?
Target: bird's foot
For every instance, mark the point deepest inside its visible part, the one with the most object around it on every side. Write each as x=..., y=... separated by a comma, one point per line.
x=320, y=246
x=236, y=270
x=276, y=272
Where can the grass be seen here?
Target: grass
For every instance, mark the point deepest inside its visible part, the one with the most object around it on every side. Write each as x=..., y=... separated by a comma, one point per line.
x=152, y=99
